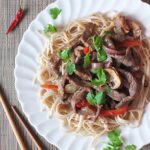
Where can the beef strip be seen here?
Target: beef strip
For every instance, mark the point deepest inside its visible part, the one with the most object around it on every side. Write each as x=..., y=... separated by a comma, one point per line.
x=83, y=73
x=78, y=96
x=129, y=59
x=54, y=64
x=117, y=96
x=133, y=88
x=126, y=27
x=75, y=80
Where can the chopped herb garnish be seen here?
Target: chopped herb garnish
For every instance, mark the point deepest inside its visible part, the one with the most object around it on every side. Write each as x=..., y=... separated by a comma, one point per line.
x=54, y=12
x=70, y=68
x=116, y=143
x=101, y=55
x=86, y=60
x=49, y=28
x=101, y=77
x=130, y=147
x=114, y=137
x=96, y=99
x=97, y=43
x=65, y=54
x=107, y=89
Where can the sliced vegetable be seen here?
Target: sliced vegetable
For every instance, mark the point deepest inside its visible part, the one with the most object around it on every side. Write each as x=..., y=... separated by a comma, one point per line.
x=96, y=99
x=70, y=68
x=86, y=60
x=114, y=78
x=101, y=77
x=64, y=54
x=54, y=12
x=129, y=43
x=85, y=50
x=50, y=87
x=113, y=112
x=130, y=147
x=50, y=28
x=70, y=88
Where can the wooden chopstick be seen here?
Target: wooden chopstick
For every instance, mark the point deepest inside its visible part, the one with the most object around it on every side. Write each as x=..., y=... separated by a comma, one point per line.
x=32, y=136
x=12, y=123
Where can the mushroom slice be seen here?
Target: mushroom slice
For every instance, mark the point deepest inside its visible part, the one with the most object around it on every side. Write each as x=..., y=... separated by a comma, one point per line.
x=70, y=88
x=114, y=78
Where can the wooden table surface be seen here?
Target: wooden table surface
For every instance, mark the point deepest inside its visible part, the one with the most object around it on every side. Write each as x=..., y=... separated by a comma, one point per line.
x=8, y=50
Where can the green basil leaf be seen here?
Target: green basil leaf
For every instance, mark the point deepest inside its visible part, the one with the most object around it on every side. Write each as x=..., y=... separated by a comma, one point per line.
x=70, y=68
x=64, y=54
x=90, y=98
x=54, y=12
x=49, y=28
x=130, y=147
x=86, y=60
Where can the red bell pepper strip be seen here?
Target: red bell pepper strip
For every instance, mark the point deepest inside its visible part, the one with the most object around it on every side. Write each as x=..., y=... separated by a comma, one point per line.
x=129, y=43
x=50, y=87
x=85, y=50
x=114, y=112
x=16, y=20
x=105, y=113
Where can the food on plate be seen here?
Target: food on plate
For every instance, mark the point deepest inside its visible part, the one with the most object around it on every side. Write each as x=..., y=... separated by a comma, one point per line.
x=94, y=74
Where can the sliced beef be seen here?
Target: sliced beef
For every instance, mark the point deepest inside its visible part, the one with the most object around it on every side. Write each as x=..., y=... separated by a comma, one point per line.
x=78, y=96
x=126, y=27
x=133, y=87
x=89, y=31
x=109, y=42
x=134, y=28
x=75, y=80
x=131, y=59
x=55, y=63
x=117, y=96
x=83, y=73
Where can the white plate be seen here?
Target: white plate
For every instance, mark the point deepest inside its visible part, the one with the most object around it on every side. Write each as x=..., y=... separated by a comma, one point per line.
x=26, y=67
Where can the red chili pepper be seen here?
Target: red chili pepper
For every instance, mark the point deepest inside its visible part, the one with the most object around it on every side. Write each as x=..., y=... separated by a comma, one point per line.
x=16, y=20
x=129, y=43
x=85, y=50
x=105, y=113
x=50, y=87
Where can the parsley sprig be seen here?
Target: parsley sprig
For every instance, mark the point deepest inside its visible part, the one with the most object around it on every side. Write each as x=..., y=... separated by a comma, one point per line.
x=54, y=12
x=116, y=143
x=50, y=28
x=101, y=77
x=86, y=60
x=96, y=99
x=64, y=54
x=97, y=43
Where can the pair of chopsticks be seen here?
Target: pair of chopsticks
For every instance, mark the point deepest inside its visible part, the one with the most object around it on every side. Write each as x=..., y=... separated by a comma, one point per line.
x=8, y=110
